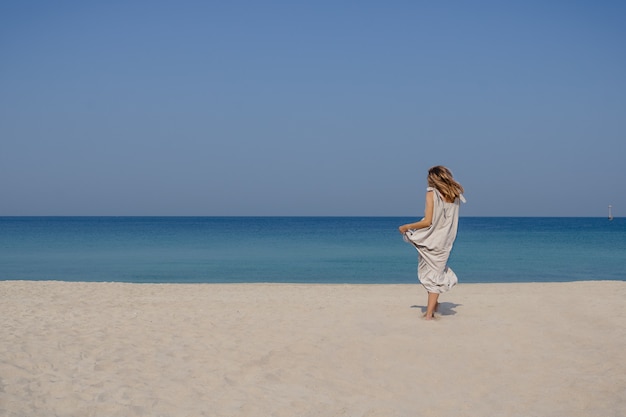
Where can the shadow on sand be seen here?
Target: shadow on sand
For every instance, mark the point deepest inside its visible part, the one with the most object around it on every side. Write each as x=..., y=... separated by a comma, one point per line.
x=445, y=308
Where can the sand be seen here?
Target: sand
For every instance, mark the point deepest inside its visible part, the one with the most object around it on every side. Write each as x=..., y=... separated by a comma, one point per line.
x=111, y=349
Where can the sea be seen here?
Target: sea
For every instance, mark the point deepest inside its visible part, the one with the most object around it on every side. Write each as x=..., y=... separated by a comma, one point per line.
x=339, y=250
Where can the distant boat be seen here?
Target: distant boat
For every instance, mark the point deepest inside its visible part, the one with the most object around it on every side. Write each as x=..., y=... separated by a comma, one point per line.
x=610, y=214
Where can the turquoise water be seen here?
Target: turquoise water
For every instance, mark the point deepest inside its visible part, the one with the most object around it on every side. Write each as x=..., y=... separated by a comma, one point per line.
x=302, y=249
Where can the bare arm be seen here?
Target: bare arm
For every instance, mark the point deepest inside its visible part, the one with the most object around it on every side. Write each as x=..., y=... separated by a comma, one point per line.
x=428, y=216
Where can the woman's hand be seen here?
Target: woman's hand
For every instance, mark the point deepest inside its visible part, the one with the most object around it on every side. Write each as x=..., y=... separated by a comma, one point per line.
x=403, y=229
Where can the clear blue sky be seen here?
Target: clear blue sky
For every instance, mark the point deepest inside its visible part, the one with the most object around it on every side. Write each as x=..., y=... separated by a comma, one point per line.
x=311, y=108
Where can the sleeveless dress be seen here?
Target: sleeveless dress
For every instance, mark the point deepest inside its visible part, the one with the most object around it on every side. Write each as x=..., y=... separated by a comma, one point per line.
x=434, y=245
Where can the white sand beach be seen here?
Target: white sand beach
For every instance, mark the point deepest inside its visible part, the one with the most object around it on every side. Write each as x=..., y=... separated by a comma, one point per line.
x=111, y=349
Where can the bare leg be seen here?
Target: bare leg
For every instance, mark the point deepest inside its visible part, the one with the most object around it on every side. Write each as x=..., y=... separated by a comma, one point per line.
x=432, y=305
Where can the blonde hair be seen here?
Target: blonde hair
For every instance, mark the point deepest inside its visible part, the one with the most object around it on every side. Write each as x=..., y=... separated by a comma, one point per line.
x=441, y=178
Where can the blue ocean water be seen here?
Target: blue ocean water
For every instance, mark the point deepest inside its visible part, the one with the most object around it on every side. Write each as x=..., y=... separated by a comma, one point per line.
x=302, y=249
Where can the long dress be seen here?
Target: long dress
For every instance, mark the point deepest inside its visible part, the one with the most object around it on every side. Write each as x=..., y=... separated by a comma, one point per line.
x=434, y=244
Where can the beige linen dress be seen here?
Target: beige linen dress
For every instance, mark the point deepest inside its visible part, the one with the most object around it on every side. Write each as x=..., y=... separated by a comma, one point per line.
x=434, y=245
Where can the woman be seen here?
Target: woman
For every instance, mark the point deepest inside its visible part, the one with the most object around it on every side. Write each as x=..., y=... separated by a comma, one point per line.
x=434, y=235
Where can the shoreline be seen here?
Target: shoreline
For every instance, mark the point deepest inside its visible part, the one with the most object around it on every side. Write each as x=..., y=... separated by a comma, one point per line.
x=279, y=283
x=285, y=349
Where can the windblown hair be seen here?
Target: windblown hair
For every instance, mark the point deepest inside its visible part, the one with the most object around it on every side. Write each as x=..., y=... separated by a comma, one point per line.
x=441, y=178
